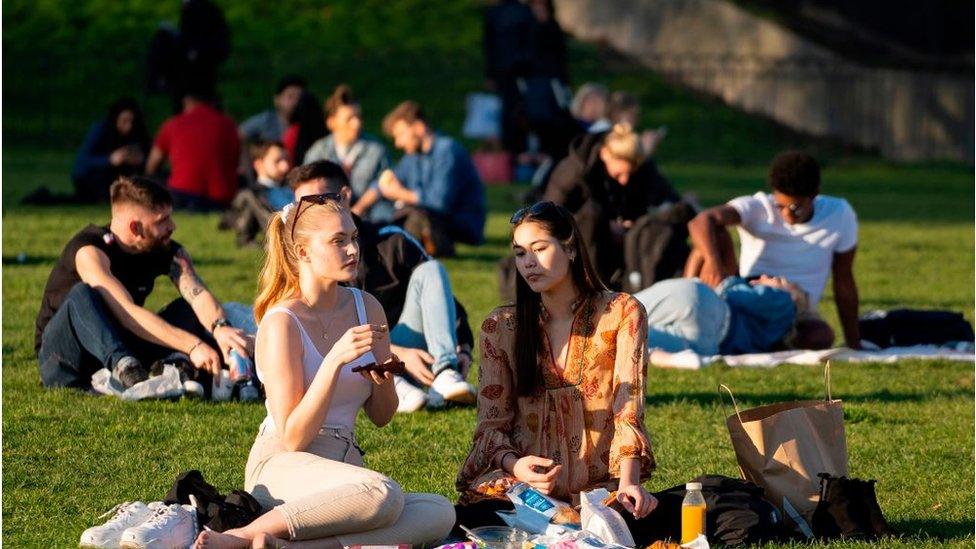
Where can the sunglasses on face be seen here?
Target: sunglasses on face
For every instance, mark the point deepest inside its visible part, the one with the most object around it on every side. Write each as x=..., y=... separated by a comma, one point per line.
x=314, y=199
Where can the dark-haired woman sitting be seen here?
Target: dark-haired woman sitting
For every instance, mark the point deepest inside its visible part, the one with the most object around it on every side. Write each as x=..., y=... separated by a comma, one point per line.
x=115, y=146
x=561, y=402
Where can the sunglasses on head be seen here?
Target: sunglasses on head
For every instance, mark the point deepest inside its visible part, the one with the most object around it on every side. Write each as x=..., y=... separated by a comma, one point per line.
x=532, y=211
x=314, y=199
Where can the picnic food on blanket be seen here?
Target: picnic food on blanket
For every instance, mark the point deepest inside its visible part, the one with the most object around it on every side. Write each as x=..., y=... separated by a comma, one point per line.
x=599, y=519
x=395, y=366
x=663, y=545
x=539, y=514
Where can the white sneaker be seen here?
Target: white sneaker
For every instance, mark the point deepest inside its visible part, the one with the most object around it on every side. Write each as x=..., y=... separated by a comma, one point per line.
x=126, y=515
x=435, y=401
x=169, y=526
x=452, y=387
x=411, y=398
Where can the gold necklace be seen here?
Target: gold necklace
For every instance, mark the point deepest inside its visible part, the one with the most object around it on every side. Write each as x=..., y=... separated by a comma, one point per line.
x=325, y=328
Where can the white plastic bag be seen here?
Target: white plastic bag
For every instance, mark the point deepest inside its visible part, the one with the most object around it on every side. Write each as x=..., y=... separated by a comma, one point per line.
x=603, y=521
x=165, y=385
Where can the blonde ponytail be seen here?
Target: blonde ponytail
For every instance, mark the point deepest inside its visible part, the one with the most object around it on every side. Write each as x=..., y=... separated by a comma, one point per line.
x=279, y=277
x=623, y=143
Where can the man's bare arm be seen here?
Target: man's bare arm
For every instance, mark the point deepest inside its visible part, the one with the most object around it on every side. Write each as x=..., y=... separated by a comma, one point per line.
x=205, y=306
x=95, y=270
x=703, y=231
x=846, y=297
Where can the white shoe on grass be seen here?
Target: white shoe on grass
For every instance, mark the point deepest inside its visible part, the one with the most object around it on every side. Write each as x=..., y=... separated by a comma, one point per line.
x=126, y=515
x=411, y=398
x=453, y=387
x=169, y=526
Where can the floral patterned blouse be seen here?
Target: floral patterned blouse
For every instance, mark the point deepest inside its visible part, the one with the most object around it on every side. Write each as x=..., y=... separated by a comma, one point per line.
x=586, y=417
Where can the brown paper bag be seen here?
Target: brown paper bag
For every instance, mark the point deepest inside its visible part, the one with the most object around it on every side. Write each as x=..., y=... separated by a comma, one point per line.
x=783, y=447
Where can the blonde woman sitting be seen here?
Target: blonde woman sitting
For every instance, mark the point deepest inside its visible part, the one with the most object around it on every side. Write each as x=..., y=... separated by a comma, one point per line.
x=314, y=335
x=608, y=183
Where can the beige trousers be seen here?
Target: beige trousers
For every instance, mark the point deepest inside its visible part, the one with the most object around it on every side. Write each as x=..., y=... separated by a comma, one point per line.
x=326, y=492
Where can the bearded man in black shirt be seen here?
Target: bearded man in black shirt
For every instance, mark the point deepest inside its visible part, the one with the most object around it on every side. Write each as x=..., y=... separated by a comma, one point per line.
x=92, y=314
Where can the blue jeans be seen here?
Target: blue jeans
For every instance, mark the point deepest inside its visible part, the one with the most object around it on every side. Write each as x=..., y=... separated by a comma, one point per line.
x=82, y=337
x=428, y=320
x=684, y=313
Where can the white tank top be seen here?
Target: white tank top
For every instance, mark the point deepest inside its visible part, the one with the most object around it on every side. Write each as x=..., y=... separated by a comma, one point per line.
x=351, y=390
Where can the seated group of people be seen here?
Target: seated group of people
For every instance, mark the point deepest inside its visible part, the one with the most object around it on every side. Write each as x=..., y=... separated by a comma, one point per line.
x=563, y=368
x=434, y=191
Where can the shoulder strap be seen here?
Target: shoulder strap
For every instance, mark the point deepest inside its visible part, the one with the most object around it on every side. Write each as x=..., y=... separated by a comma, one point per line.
x=306, y=340
x=360, y=305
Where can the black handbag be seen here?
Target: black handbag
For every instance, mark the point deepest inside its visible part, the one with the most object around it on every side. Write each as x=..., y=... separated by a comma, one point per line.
x=848, y=509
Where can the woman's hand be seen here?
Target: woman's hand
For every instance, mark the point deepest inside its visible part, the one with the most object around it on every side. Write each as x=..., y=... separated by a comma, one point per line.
x=526, y=470
x=376, y=376
x=353, y=344
x=636, y=499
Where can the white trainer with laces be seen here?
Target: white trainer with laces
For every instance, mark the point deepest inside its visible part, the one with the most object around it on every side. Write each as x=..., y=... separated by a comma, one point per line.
x=410, y=396
x=126, y=515
x=169, y=526
x=453, y=387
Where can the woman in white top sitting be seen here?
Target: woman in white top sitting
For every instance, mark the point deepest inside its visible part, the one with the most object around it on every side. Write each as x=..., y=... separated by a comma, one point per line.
x=305, y=465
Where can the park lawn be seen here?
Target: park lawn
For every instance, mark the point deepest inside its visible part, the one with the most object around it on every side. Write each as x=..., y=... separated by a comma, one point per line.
x=69, y=457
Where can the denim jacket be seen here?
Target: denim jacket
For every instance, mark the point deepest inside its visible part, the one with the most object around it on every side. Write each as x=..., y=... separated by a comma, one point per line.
x=760, y=316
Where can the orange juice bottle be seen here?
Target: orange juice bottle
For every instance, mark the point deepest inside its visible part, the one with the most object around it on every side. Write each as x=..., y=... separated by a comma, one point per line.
x=692, y=513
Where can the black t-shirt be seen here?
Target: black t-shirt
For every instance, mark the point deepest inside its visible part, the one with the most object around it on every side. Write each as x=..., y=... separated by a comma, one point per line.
x=389, y=256
x=137, y=272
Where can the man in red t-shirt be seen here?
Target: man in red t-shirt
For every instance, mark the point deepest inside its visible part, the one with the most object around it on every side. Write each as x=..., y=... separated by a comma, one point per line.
x=203, y=147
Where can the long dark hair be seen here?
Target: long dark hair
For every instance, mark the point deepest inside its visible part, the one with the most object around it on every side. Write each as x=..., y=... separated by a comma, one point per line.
x=311, y=124
x=557, y=221
x=112, y=139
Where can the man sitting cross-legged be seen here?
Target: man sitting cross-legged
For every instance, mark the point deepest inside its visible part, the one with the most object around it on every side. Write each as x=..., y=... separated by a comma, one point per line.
x=92, y=314
x=429, y=327
x=795, y=232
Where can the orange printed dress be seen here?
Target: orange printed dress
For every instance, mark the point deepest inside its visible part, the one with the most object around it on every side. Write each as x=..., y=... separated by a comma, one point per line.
x=586, y=418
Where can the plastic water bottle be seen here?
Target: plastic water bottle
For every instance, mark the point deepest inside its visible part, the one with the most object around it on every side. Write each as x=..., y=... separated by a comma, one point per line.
x=692, y=513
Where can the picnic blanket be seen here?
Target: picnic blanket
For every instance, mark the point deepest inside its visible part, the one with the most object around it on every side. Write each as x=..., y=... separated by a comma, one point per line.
x=689, y=360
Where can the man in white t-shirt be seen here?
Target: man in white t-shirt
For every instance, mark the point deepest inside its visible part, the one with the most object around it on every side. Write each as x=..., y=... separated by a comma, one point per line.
x=795, y=233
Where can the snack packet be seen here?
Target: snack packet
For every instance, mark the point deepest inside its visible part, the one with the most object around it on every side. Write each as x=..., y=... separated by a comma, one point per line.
x=537, y=513
x=599, y=519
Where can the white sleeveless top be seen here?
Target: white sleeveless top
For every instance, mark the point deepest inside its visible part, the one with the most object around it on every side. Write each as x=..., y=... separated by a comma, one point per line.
x=351, y=390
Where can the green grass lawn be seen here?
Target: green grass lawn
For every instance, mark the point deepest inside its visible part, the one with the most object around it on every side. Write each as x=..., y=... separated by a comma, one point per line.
x=68, y=457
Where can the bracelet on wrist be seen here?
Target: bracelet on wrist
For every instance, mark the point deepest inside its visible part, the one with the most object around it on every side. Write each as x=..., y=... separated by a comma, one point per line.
x=218, y=323
x=195, y=345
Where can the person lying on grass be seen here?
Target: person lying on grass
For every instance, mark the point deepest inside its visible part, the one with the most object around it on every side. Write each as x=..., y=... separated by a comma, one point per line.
x=740, y=316
x=561, y=400
x=793, y=232
x=92, y=314
x=314, y=335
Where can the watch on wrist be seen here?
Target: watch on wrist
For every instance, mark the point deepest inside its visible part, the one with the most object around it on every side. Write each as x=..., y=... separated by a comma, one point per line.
x=218, y=323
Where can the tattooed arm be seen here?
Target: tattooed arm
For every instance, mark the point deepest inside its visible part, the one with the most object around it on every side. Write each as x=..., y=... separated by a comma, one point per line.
x=205, y=305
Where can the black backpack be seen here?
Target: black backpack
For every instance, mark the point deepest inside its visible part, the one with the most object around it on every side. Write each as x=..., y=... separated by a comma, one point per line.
x=736, y=514
x=656, y=247
x=848, y=509
x=905, y=327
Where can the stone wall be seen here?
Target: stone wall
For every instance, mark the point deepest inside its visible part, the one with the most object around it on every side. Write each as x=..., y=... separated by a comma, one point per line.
x=757, y=66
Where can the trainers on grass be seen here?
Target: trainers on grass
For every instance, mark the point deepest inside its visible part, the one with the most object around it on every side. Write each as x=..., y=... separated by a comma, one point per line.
x=169, y=526
x=453, y=388
x=411, y=398
x=126, y=515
